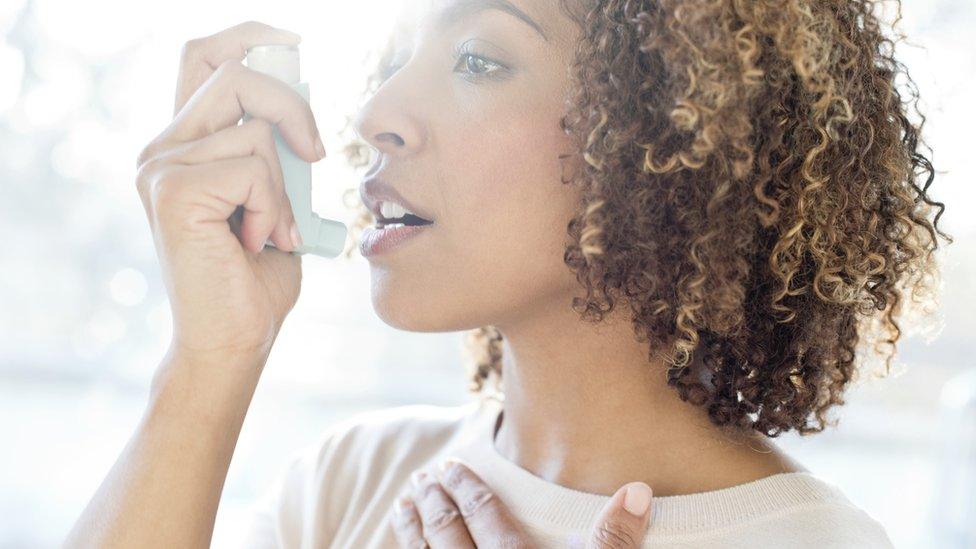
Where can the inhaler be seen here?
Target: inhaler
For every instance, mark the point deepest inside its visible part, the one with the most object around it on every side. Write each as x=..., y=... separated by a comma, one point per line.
x=322, y=237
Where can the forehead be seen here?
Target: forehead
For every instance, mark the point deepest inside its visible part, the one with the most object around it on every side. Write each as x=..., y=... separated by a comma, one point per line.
x=543, y=16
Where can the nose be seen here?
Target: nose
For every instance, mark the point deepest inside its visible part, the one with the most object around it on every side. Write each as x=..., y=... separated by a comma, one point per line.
x=388, y=126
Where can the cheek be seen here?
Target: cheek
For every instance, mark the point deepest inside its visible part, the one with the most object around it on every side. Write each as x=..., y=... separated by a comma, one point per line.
x=498, y=243
x=509, y=208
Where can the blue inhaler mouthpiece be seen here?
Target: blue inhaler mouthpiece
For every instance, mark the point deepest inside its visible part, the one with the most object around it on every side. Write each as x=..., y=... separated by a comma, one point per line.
x=322, y=237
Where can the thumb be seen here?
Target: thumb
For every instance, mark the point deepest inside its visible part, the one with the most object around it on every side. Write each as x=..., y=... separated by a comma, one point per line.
x=624, y=520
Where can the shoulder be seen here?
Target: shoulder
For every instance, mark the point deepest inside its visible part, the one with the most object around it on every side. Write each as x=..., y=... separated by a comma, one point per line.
x=837, y=526
x=356, y=457
x=830, y=521
x=790, y=509
x=399, y=425
x=378, y=439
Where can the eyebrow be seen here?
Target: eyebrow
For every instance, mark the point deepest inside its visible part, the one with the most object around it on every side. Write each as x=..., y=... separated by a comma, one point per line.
x=466, y=8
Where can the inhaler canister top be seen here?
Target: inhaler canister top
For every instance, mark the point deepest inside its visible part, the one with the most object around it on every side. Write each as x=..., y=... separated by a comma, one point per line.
x=277, y=60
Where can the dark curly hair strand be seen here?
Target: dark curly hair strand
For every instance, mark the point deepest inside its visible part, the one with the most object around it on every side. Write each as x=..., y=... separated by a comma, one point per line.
x=750, y=189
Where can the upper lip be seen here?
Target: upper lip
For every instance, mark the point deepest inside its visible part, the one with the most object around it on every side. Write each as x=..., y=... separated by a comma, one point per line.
x=374, y=190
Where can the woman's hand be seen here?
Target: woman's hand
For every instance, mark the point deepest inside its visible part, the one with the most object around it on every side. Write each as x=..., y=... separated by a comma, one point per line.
x=457, y=510
x=228, y=299
x=214, y=193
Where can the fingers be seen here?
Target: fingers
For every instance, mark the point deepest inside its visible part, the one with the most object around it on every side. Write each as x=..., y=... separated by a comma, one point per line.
x=406, y=524
x=179, y=194
x=202, y=56
x=441, y=520
x=215, y=90
x=489, y=522
x=234, y=90
x=623, y=522
x=254, y=137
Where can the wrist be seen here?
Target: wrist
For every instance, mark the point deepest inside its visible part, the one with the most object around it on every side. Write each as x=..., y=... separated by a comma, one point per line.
x=250, y=356
x=217, y=386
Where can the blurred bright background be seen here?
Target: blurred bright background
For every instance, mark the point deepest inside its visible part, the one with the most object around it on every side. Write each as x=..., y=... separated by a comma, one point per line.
x=84, y=318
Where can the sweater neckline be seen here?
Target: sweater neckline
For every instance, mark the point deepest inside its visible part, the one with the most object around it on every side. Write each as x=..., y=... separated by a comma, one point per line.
x=545, y=504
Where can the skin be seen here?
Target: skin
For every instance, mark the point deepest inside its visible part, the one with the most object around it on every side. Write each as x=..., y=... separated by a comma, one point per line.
x=482, y=158
x=229, y=294
x=455, y=509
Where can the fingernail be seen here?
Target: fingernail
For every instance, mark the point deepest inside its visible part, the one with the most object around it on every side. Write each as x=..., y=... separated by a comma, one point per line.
x=637, y=499
x=416, y=477
x=296, y=238
x=319, y=147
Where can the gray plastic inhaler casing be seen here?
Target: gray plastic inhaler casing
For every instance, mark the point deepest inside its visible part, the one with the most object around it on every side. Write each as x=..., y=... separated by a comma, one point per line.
x=322, y=237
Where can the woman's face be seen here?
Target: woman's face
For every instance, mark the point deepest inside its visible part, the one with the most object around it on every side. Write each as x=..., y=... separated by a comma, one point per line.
x=473, y=140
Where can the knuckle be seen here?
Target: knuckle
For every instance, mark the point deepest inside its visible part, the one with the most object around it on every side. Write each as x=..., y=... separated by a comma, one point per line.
x=439, y=518
x=454, y=476
x=145, y=154
x=145, y=174
x=158, y=147
x=479, y=501
x=191, y=48
x=428, y=489
x=164, y=187
x=615, y=535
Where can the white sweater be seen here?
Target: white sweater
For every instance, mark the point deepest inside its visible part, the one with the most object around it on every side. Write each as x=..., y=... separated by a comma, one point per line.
x=340, y=491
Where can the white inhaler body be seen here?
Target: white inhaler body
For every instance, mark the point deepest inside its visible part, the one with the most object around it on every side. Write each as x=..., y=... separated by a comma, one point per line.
x=322, y=237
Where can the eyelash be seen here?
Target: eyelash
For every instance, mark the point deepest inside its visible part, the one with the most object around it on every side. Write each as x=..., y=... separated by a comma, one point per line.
x=461, y=52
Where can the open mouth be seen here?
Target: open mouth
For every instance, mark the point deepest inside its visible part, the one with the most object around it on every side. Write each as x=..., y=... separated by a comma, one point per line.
x=406, y=219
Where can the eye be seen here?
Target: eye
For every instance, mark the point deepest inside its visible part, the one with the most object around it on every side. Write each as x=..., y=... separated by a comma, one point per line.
x=474, y=65
x=468, y=63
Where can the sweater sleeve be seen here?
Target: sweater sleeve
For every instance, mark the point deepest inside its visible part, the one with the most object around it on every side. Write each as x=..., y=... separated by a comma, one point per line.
x=303, y=504
x=833, y=525
x=850, y=526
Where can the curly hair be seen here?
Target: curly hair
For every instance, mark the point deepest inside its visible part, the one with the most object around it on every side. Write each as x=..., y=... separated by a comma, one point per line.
x=750, y=188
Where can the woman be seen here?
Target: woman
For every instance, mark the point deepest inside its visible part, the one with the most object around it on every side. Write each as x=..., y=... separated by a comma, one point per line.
x=732, y=185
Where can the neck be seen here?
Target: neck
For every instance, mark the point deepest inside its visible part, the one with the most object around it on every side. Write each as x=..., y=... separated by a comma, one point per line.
x=587, y=409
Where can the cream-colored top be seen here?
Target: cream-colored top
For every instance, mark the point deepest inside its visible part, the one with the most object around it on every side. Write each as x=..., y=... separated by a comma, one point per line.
x=339, y=492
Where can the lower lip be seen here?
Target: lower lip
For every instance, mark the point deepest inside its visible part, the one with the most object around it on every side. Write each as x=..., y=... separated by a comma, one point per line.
x=376, y=241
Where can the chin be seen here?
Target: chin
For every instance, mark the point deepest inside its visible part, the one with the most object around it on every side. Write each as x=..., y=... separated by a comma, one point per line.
x=406, y=302
x=419, y=304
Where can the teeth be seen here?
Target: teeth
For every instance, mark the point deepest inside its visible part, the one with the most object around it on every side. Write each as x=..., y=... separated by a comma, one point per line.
x=392, y=210
x=394, y=225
